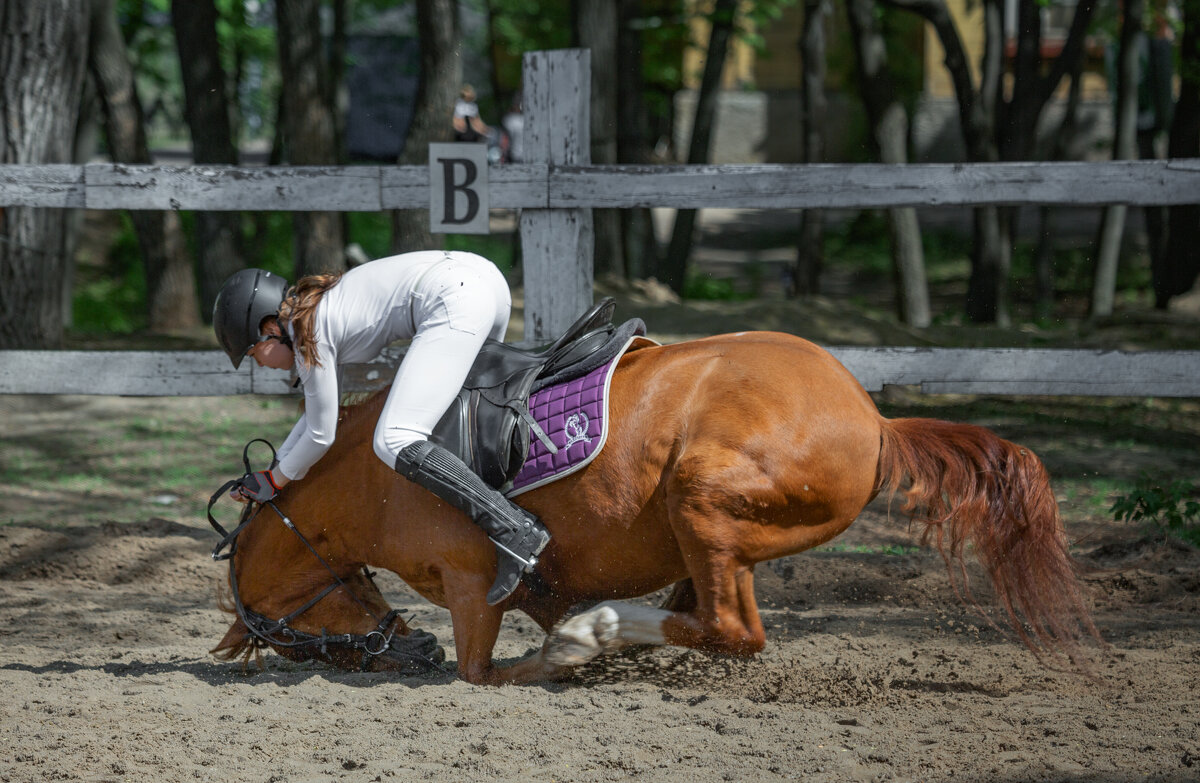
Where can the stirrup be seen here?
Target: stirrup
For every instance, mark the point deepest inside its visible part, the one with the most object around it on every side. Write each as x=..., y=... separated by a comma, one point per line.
x=510, y=567
x=509, y=570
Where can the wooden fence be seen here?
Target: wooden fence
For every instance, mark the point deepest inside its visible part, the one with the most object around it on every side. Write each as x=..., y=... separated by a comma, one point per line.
x=934, y=370
x=555, y=189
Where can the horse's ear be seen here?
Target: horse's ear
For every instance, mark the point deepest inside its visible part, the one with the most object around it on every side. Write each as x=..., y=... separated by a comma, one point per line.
x=235, y=642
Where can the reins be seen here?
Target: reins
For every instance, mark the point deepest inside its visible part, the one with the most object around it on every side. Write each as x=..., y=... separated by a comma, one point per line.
x=279, y=633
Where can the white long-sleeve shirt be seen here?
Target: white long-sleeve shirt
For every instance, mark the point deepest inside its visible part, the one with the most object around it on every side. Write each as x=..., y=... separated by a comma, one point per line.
x=369, y=307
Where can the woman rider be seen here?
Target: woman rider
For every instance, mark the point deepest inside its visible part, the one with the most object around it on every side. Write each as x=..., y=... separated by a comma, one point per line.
x=449, y=303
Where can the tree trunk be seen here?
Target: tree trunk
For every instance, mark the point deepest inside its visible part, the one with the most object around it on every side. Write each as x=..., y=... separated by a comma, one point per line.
x=1034, y=84
x=1065, y=142
x=310, y=136
x=206, y=107
x=1112, y=222
x=170, y=280
x=986, y=290
x=41, y=81
x=1183, y=222
x=441, y=77
x=675, y=271
x=810, y=247
x=339, y=92
x=596, y=24
x=889, y=124
x=633, y=144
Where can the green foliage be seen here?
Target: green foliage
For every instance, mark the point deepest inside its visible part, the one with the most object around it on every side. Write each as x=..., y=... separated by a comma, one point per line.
x=372, y=231
x=269, y=242
x=520, y=26
x=496, y=248
x=1172, y=507
x=706, y=287
x=249, y=56
x=111, y=298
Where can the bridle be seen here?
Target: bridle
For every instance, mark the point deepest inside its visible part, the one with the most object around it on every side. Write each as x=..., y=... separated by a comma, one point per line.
x=279, y=633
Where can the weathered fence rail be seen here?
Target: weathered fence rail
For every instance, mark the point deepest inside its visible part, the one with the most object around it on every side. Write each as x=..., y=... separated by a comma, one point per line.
x=934, y=370
x=542, y=186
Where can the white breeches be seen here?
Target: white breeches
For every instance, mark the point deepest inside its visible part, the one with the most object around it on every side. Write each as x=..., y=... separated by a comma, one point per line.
x=460, y=303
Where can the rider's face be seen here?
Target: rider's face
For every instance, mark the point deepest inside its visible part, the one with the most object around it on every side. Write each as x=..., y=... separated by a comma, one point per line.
x=270, y=351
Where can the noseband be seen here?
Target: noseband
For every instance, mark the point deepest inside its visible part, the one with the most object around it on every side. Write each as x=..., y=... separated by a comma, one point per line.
x=280, y=633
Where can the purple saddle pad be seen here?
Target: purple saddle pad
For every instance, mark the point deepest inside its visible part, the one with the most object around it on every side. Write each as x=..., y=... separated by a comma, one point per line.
x=574, y=417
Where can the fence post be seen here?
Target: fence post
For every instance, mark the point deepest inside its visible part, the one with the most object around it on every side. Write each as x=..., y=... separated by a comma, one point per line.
x=557, y=244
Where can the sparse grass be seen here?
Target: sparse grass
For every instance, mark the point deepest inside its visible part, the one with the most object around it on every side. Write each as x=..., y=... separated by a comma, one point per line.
x=125, y=467
x=892, y=550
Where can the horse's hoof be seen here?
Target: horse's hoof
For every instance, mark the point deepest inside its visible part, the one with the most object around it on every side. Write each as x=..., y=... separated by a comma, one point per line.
x=583, y=637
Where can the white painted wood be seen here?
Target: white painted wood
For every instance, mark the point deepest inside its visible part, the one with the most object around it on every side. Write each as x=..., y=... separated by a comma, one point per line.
x=519, y=185
x=876, y=185
x=1027, y=371
x=1016, y=371
x=134, y=374
x=553, y=184
x=45, y=185
x=557, y=244
x=214, y=188
x=404, y=187
x=558, y=280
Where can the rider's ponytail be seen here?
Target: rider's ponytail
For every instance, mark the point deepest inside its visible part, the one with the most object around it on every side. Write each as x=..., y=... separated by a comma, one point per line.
x=298, y=309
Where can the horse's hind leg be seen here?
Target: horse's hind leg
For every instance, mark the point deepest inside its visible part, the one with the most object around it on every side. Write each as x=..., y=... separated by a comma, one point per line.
x=724, y=620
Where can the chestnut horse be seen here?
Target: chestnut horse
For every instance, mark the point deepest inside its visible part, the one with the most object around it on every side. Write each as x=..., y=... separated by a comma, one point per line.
x=722, y=453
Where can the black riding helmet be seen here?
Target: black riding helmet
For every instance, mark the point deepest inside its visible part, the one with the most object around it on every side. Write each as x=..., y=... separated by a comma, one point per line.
x=245, y=299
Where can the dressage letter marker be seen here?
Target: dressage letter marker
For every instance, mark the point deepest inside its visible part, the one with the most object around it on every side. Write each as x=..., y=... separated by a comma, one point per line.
x=458, y=189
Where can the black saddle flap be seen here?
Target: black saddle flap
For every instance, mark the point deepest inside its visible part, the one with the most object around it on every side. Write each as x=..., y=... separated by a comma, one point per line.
x=488, y=426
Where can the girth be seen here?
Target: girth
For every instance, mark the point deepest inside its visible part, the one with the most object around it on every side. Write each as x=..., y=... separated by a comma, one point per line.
x=488, y=426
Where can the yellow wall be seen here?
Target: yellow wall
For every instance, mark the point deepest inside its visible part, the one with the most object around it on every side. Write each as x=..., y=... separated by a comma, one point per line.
x=969, y=22
x=968, y=18
x=743, y=67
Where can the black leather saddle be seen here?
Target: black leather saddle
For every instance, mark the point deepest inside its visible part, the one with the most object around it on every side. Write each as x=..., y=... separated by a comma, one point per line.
x=489, y=425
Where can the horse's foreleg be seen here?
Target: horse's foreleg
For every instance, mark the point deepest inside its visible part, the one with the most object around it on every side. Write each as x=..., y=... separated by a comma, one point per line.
x=476, y=628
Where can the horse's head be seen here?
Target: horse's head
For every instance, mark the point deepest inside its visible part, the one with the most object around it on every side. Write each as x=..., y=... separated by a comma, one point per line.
x=351, y=627
x=302, y=588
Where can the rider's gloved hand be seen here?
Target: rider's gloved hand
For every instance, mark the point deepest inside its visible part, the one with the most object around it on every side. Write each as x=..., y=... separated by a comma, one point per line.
x=259, y=485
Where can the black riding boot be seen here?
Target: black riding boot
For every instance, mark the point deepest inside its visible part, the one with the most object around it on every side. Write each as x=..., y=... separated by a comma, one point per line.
x=518, y=535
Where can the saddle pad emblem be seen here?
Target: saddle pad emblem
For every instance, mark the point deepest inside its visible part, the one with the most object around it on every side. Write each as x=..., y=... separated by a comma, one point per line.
x=574, y=416
x=576, y=428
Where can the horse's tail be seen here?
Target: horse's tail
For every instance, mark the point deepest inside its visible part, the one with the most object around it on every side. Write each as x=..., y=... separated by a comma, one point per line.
x=966, y=484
